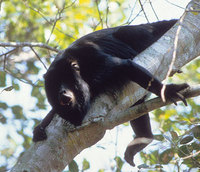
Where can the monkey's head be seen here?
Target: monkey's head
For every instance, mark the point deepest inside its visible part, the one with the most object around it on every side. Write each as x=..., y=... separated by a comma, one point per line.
x=66, y=90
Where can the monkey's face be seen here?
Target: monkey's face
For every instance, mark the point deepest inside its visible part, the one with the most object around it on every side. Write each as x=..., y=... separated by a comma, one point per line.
x=66, y=90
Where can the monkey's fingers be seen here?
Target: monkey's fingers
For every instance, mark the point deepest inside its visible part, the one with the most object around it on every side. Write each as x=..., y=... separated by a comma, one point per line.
x=39, y=134
x=182, y=98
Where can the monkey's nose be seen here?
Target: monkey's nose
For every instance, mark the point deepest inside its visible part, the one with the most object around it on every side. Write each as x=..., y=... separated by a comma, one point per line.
x=66, y=97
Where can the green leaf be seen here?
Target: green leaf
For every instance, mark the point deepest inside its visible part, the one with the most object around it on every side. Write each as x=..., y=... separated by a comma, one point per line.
x=119, y=162
x=3, y=120
x=195, y=146
x=3, y=106
x=142, y=166
x=73, y=167
x=32, y=68
x=196, y=131
x=18, y=111
x=186, y=139
x=158, y=137
x=86, y=164
x=174, y=135
x=183, y=151
x=2, y=79
x=7, y=89
x=101, y=170
x=166, y=156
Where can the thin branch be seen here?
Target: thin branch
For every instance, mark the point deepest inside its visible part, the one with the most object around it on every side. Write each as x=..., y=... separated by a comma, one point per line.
x=19, y=78
x=53, y=27
x=28, y=44
x=100, y=18
x=38, y=57
x=107, y=12
x=57, y=17
x=141, y=5
x=174, y=4
x=174, y=55
x=131, y=13
x=48, y=21
x=8, y=52
x=70, y=5
x=192, y=155
x=153, y=10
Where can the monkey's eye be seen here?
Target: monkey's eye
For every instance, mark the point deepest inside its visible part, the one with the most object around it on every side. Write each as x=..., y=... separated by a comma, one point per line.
x=75, y=66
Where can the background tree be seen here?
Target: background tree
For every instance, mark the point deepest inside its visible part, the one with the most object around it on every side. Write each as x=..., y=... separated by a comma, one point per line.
x=45, y=27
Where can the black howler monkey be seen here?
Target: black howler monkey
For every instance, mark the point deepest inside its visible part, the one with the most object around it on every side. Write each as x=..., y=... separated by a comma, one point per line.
x=101, y=62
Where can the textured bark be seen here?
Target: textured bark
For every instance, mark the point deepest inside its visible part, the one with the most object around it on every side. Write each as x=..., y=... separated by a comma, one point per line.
x=181, y=43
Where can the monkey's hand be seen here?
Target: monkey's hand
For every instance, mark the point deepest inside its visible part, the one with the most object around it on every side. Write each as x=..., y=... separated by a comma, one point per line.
x=172, y=93
x=39, y=134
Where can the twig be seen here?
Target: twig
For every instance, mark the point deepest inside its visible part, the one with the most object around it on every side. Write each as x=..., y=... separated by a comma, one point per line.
x=100, y=18
x=54, y=25
x=43, y=16
x=22, y=80
x=28, y=44
x=107, y=12
x=38, y=57
x=174, y=55
x=143, y=11
x=131, y=13
x=8, y=52
x=174, y=4
x=153, y=9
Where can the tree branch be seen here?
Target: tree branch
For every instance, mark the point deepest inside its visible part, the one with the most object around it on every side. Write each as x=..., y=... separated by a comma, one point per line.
x=106, y=112
x=150, y=105
x=28, y=44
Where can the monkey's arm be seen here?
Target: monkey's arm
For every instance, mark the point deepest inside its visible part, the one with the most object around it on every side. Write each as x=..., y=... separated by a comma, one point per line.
x=39, y=133
x=145, y=79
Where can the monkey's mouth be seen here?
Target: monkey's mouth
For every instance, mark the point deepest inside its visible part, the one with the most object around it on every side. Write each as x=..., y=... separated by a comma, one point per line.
x=65, y=101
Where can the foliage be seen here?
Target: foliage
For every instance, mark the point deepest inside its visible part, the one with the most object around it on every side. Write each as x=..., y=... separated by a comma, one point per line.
x=57, y=24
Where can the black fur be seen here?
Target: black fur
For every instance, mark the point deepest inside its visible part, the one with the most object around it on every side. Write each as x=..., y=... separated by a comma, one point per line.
x=100, y=62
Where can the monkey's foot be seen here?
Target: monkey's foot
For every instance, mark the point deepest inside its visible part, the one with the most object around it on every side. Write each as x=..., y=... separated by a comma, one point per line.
x=39, y=134
x=134, y=147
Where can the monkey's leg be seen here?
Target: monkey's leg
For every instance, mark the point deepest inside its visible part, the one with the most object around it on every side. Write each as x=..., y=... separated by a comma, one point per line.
x=142, y=128
x=39, y=133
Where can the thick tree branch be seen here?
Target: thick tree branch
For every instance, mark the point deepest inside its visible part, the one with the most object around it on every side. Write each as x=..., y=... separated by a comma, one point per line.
x=106, y=112
x=143, y=108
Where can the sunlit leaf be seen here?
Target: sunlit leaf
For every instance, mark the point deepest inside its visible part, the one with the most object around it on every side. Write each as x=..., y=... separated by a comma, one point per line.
x=86, y=164
x=101, y=170
x=119, y=162
x=81, y=2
